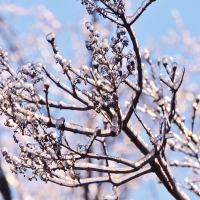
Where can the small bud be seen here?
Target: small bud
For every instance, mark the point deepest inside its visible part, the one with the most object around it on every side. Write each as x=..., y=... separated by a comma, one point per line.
x=28, y=143
x=4, y=151
x=104, y=45
x=195, y=105
x=165, y=61
x=121, y=31
x=198, y=98
x=174, y=65
x=171, y=59
x=29, y=177
x=53, y=134
x=128, y=66
x=88, y=25
x=146, y=54
x=161, y=76
x=119, y=46
x=91, y=28
x=50, y=37
x=39, y=64
x=161, y=102
x=46, y=83
x=58, y=57
x=95, y=64
x=96, y=33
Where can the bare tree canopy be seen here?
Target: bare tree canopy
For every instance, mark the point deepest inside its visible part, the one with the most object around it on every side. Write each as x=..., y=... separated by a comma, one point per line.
x=134, y=98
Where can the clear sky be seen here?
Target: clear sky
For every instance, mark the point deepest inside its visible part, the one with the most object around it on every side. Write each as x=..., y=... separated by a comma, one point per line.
x=156, y=20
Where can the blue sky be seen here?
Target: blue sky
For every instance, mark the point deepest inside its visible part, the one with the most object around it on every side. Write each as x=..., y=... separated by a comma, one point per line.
x=156, y=20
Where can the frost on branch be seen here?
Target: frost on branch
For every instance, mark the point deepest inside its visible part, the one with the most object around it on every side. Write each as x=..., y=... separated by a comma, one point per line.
x=116, y=67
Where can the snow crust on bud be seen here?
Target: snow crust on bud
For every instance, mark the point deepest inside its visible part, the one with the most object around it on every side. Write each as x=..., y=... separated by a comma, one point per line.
x=96, y=33
x=95, y=64
x=174, y=65
x=198, y=97
x=91, y=28
x=161, y=102
x=121, y=31
x=4, y=151
x=53, y=134
x=50, y=37
x=88, y=25
x=165, y=61
x=58, y=57
x=46, y=82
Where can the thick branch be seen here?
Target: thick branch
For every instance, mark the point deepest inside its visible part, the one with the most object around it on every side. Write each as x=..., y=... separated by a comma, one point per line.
x=139, y=69
x=142, y=146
